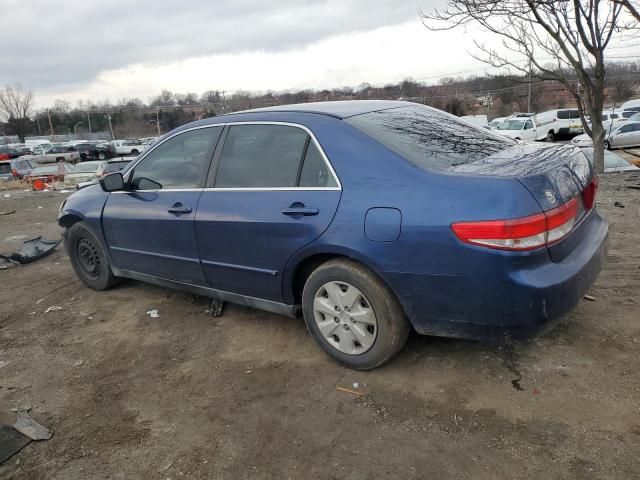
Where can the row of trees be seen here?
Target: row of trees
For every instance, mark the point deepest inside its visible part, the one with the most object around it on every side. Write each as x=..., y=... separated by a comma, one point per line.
x=495, y=95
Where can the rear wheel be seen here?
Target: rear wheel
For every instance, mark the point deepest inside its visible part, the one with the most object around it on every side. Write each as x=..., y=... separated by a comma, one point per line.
x=353, y=315
x=102, y=156
x=88, y=257
x=134, y=152
x=550, y=137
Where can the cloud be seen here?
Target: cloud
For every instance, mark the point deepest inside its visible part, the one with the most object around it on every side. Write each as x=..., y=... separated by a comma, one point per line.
x=68, y=44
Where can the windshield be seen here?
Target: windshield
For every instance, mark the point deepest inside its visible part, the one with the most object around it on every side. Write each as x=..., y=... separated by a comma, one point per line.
x=87, y=167
x=429, y=138
x=511, y=125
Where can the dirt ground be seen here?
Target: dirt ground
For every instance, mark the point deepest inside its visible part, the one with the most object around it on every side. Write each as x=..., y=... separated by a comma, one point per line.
x=249, y=395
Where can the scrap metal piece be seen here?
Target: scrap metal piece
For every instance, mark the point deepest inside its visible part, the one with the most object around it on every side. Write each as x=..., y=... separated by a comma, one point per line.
x=11, y=442
x=33, y=250
x=29, y=427
x=215, y=308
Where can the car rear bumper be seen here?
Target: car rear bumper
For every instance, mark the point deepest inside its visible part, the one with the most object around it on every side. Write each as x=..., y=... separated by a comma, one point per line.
x=509, y=300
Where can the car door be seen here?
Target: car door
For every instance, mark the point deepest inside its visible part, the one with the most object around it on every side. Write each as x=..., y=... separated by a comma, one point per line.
x=149, y=228
x=623, y=136
x=634, y=137
x=272, y=192
x=529, y=132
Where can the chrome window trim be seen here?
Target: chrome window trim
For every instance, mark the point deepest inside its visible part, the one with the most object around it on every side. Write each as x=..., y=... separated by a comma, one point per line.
x=144, y=154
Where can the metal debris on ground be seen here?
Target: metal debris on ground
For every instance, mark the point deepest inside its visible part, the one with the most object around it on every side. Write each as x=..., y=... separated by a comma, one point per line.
x=32, y=250
x=11, y=442
x=153, y=313
x=8, y=213
x=618, y=204
x=590, y=298
x=29, y=427
x=215, y=308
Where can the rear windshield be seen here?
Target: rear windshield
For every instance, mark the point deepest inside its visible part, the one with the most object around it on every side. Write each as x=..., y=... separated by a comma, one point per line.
x=430, y=138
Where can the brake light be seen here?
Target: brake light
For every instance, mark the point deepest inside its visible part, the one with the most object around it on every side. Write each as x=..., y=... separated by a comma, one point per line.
x=521, y=234
x=589, y=194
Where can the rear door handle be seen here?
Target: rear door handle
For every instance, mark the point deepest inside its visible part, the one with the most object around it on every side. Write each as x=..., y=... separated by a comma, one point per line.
x=304, y=211
x=179, y=208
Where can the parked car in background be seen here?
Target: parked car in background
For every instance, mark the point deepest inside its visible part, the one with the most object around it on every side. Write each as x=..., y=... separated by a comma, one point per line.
x=50, y=173
x=480, y=120
x=6, y=172
x=86, y=171
x=22, y=167
x=371, y=217
x=613, y=162
x=148, y=140
x=626, y=134
x=54, y=154
x=493, y=124
x=37, y=141
x=632, y=105
x=518, y=128
x=7, y=152
x=559, y=123
x=130, y=146
x=94, y=151
x=118, y=164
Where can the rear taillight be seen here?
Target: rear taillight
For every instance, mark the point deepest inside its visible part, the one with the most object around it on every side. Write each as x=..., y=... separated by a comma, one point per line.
x=526, y=233
x=589, y=194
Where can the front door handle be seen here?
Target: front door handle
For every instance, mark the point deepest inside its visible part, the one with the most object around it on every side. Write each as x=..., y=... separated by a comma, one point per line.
x=179, y=208
x=298, y=209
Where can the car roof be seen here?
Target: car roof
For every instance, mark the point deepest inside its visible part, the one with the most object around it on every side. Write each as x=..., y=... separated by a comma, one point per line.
x=339, y=109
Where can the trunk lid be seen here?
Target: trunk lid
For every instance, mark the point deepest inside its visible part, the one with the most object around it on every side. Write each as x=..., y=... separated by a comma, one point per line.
x=553, y=174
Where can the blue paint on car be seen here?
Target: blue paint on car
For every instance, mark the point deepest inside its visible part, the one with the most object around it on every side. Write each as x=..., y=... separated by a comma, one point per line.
x=398, y=177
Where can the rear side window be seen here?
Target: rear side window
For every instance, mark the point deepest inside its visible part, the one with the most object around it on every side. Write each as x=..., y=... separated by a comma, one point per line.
x=574, y=114
x=261, y=156
x=563, y=114
x=315, y=173
x=430, y=138
x=180, y=162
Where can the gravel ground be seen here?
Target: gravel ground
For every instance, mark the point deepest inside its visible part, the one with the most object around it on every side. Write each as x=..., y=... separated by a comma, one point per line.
x=250, y=395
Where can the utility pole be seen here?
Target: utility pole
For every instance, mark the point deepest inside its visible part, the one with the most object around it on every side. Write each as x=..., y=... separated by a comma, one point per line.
x=89, y=121
x=158, y=121
x=113, y=137
x=38, y=122
x=50, y=124
x=529, y=89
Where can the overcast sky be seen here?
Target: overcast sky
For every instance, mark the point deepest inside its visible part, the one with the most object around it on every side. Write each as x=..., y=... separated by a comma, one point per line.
x=81, y=49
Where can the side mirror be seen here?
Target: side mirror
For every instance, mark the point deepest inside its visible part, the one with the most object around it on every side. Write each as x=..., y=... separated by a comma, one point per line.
x=112, y=182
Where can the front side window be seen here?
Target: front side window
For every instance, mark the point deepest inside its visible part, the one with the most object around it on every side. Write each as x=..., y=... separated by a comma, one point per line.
x=625, y=129
x=261, y=156
x=528, y=125
x=180, y=162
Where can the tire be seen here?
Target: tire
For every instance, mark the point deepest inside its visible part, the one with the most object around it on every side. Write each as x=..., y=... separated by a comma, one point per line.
x=83, y=157
x=135, y=152
x=550, y=137
x=59, y=159
x=381, y=342
x=88, y=257
x=102, y=156
x=607, y=145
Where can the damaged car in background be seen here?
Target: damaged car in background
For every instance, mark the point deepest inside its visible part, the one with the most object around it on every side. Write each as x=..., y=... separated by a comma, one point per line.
x=371, y=218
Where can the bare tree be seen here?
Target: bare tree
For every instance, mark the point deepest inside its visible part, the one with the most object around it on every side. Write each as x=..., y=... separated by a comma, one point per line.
x=631, y=6
x=562, y=40
x=16, y=105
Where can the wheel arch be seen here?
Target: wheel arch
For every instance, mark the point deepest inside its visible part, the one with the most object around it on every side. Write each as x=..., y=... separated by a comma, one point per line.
x=69, y=219
x=300, y=267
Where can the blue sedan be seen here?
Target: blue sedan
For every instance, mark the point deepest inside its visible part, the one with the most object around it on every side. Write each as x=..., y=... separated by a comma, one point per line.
x=368, y=217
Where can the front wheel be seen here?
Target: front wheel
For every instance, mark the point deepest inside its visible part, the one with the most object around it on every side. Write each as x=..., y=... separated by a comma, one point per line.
x=550, y=137
x=353, y=315
x=607, y=145
x=89, y=258
x=134, y=152
x=102, y=156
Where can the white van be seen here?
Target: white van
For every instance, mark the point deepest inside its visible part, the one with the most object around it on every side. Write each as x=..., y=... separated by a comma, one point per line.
x=631, y=105
x=558, y=123
x=34, y=142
